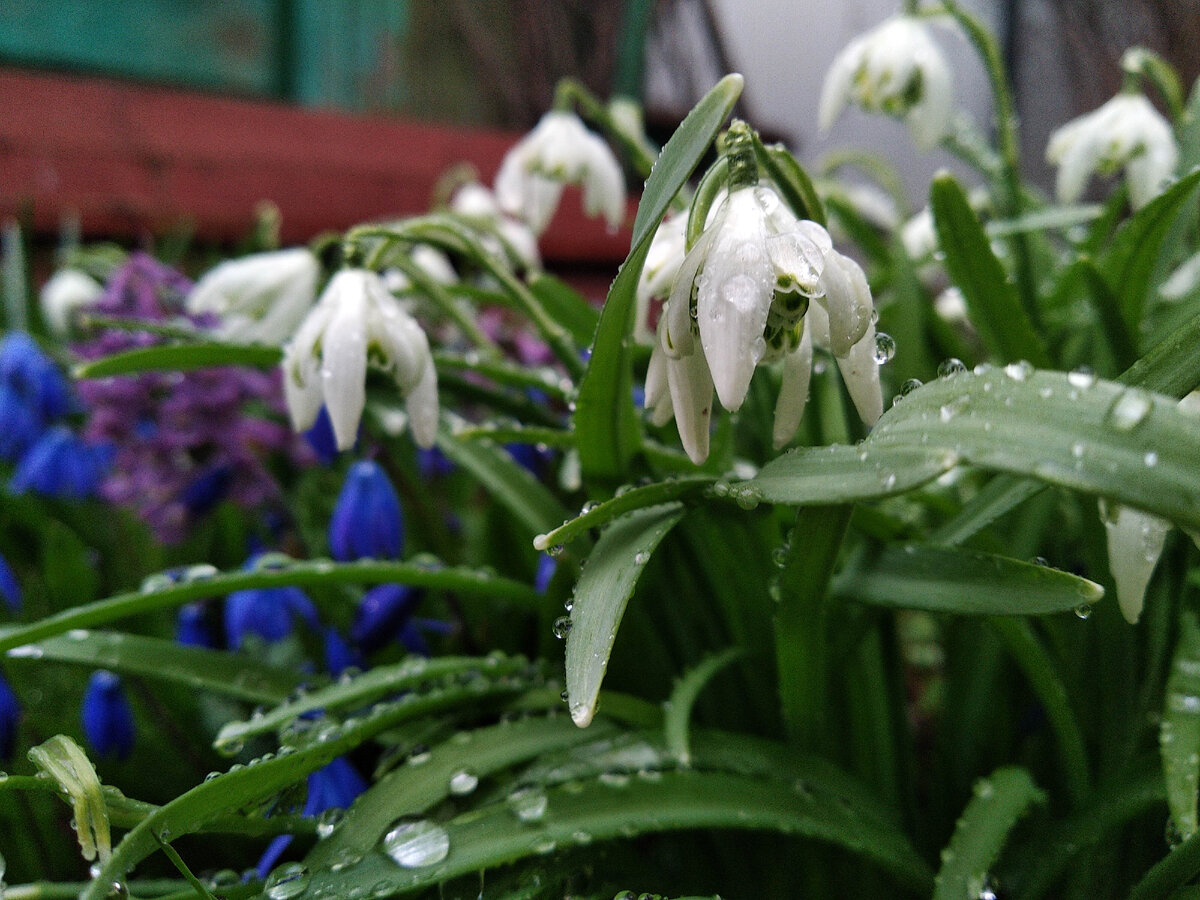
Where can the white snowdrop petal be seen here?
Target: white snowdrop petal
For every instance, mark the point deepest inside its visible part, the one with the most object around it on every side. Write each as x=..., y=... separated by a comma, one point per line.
x=793, y=391
x=1135, y=542
x=691, y=398
x=422, y=405
x=344, y=362
x=860, y=373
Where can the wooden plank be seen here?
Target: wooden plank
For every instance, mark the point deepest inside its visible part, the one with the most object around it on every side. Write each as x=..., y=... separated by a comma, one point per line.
x=132, y=160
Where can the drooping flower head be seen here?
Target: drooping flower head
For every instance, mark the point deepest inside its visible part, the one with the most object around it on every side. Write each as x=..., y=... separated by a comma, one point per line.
x=1127, y=132
x=258, y=298
x=269, y=613
x=500, y=233
x=61, y=464
x=896, y=69
x=559, y=151
x=67, y=291
x=356, y=321
x=10, y=720
x=366, y=521
x=663, y=259
x=107, y=717
x=742, y=297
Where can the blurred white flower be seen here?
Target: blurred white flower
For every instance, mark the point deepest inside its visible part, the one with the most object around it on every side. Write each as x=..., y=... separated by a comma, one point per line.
x=501, y=234
x=433, y=262
x=897, y=69
x=261, y=297
x=741, y=297
x=357, y=321
x=66, y=291
x=1126, y=131
x=663, y=259
x=918, y=236
x=559, y=151
x=1183, y=280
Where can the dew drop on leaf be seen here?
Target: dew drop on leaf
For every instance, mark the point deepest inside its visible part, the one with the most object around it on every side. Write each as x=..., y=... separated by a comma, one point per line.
x=950, y=367
x=528, y=804
x=288, y=881
x=414, y=844
x=463, y=782
x=885, y=347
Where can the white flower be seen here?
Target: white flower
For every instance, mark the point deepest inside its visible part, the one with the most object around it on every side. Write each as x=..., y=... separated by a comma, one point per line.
x=560, y=150
x=66, y=291
x=1183, y=280
x=897, y=69
x=1126, y=131
x=433, y=262
x=741, y=297
x=357, y=320
x=502, y=235
x=261, y=297
x=663, y=260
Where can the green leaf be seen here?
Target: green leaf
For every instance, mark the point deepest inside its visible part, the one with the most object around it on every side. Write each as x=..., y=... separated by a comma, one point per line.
x=162, y=592
x=791, y=179
x=63, y=760
x=585, y=811
x=1179, y=737
x=604, y=588
x=566, y=306
x=506, y=373
x=606, y=424
x=991, y=301
x=676, y=719
x=1171, y=366
x=1052, y=218
x=180, y=357
x=510, y=484
x=1000, y=801
x=236, y=675
x=1129, y=263
x=840, y=473
x=1170, y=873
x=964, y=582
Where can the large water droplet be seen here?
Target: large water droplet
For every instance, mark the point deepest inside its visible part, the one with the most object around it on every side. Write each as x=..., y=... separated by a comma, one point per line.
x=885, y=347
x=1083, y=377
x=562, y=627
x=328, y=821
x=528, y=804
x=1084, y=611
x=463, y=782
x=950, y=367
x=413, y=844
x=1019, y=371
x=288, y=881
x=1129, y=410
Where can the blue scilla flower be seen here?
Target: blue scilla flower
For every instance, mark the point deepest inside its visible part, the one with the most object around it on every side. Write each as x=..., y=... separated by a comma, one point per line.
x=333, y=787
x=269, y=613
x=10, y=590
x=191, y=627
x=546, y=567
x=10, y=719
x=20, y=425
x=107, y=717
x=321, y=438
x=340, y=656
x=34, y=377
x=207, y=489
x=62, y=465
x=382, y=613
x=366, y=521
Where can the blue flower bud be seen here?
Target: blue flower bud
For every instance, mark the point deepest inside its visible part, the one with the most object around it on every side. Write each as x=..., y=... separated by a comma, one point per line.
x=61, y=465
x=10, y=590
x=267, y=612
x=366, y=521
x=208, y=489
x=20, y=426
x=10, y=719
x=546, y=567
x=321, y=438
x=339, y=656
x=191, y=627
x=107, y=717
x=34, y=377
x=382, y=613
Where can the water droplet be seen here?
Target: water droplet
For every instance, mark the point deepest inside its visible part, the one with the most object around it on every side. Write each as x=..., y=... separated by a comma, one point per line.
x=562, y=627
x=463, y=782
x=949, y=410
x=1019, y=371
x=950, y=367
x=1084, y=611
x=1129, y=410
x=641, y=557
x=614, y=779
x=328, y=821
x=909, y=386
x=1040, y=561
x=413, y=844
x=984, y=789
x=419, y=756
x=1083, y=377
x=885, y=347
x=746, y=496
x=528, y=804
x=288, y=881
x=556, y=550
x=1150, y=459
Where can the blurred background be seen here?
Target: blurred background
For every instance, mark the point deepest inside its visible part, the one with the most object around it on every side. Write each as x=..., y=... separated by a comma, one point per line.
x=478, y=71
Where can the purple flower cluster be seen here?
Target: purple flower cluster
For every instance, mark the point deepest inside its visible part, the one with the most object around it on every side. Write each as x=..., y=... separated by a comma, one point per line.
x=184, y=440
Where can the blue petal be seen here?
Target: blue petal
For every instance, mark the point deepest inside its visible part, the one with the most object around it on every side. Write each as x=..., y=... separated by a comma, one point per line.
x=367, y=520
x=10, y=719
x=107, y=717
x=10, y=589
x=381, y=614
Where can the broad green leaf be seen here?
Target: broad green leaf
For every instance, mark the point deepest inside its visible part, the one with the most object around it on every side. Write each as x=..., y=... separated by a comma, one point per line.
x=236, y=675
x=1000, y=801
x=1172, y=366
x=510, y=484
x=1179, y=737
x=840, y=473
x=965, y=582
x=606, y=423
x=566, y=306
x=63, y=760
x=1171, y=873
x=598, y=810
x=241, y=785
x=1129, y=263
x=625, y=501
x=366, y=688
x=991, y=301
x=163, y=592
x=180, y=357
x=604, y=588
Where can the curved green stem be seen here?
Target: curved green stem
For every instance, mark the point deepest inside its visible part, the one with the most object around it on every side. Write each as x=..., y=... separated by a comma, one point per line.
x=570, y=92
x=446, y=303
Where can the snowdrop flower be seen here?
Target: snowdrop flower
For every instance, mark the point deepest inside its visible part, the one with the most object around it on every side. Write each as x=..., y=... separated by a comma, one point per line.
x=259, y=298
x=1126, y=131
x=663, y=259
x=1183, y=280
x=502, y=234
x=896, y=69
x=357, y=320
x=67, y=291
x=431, y=261
x=560, y=150
x=741, y=297
x=1135, y=542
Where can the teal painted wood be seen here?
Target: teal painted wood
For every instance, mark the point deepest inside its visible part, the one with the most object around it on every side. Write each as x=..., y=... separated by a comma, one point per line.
x=340, y=53
x=225, y=45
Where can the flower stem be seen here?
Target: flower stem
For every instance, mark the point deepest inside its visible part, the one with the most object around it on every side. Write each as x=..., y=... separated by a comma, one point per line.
x=570, y=93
